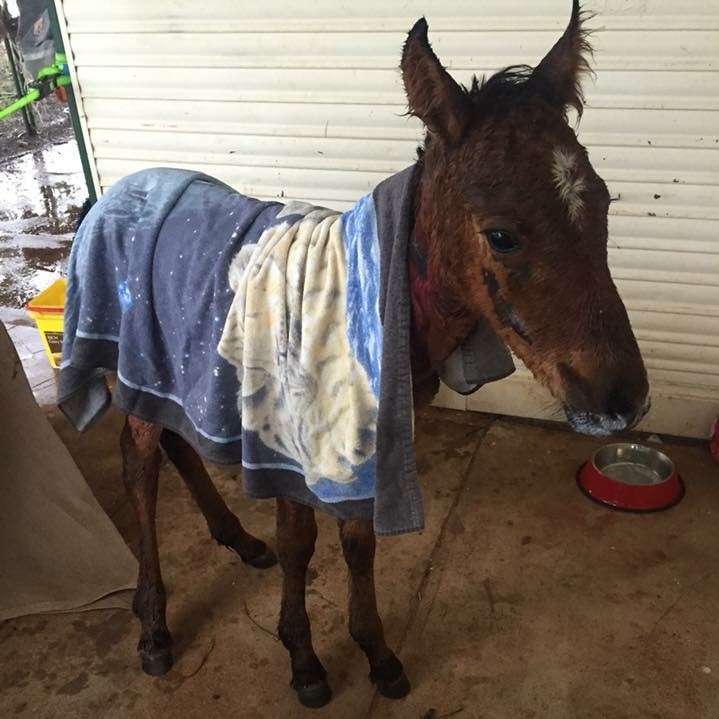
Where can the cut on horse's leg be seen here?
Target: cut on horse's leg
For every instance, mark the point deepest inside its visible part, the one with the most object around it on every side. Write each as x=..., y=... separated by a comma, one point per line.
x=365, y=625
x=141, y=465
x=224, y=526
x=296, y=535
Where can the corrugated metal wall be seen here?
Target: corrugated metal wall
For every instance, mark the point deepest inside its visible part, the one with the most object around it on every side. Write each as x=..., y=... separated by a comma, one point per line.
x=303, y=100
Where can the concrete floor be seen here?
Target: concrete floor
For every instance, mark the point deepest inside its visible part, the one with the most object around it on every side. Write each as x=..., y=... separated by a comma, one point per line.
x=521, y=598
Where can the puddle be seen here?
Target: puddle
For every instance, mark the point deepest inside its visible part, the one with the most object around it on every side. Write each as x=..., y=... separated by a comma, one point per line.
x=42, y=193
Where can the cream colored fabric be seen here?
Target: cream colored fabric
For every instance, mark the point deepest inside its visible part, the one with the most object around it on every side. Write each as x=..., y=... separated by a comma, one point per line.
x=58, y=549
x=304, y=392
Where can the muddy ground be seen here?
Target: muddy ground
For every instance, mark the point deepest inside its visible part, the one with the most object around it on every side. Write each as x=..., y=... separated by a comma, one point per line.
x=41, y=191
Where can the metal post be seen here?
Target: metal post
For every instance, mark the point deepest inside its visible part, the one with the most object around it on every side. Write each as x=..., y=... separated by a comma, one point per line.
x=19, y=81
x=72, y=104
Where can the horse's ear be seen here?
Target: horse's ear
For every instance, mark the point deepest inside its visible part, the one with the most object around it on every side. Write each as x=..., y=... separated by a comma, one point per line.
x=433, y=96
x=559, y=74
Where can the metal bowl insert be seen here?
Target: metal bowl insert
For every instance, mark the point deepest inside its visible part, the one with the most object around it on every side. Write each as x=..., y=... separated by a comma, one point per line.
x=633, y=464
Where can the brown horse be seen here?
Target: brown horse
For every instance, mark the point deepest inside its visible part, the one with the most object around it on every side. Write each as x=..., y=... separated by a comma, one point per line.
x=513, y=222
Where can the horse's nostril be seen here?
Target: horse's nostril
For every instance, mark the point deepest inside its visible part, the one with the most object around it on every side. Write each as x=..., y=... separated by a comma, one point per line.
x=620, y=403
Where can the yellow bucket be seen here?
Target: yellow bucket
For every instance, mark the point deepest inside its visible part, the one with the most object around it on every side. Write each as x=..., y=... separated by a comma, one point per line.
x=47, y=311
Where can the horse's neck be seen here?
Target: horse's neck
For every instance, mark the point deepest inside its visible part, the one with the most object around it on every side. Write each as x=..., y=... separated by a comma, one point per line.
x=439, y=319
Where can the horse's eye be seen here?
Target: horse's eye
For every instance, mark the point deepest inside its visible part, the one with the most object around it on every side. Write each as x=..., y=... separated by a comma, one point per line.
x=502, y=241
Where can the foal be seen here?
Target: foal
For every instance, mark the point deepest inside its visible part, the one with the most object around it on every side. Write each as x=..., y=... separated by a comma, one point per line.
x=510, y=226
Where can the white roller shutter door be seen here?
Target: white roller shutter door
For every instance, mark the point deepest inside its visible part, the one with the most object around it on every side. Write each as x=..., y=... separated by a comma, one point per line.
x=304, y=100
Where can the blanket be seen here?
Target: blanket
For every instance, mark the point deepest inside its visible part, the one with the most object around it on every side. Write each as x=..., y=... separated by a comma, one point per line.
x=267, y=334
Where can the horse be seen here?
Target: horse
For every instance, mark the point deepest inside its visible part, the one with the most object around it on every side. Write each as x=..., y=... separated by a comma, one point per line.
x=509, y=223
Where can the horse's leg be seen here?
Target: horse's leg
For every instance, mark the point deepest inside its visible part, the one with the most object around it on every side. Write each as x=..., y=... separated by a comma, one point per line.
x=296, y=534
x=141, y=465
x=224, y=526
x=358, y=546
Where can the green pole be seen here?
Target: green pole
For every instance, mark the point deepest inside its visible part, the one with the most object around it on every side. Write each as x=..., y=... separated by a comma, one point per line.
x=72, y=104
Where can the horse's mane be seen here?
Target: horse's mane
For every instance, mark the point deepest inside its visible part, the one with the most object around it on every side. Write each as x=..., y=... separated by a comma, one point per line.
x=513, y=86
x=513, y=82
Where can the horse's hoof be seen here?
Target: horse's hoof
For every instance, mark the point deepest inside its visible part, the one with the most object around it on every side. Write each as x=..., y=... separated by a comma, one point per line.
x=156, y=663
x=266, y=559
x=314, y=695
x=394, y=688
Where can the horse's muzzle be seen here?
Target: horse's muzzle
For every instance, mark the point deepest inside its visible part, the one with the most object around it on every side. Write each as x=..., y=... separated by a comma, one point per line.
x=606, y=424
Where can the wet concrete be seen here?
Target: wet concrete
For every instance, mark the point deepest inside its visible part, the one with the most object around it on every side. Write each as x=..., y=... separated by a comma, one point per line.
x=41, y=193
x=520, y=599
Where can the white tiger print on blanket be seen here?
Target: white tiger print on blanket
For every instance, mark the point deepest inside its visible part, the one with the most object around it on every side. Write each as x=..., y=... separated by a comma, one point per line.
x=304, y=392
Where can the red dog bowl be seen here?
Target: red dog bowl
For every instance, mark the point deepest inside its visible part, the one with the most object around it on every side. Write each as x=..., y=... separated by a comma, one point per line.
x=631, y=477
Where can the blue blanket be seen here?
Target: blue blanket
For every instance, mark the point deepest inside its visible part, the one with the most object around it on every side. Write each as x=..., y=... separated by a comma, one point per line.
x=269, y=335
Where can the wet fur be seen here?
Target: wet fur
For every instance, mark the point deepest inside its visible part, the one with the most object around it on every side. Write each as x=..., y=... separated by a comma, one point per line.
x=489, y=157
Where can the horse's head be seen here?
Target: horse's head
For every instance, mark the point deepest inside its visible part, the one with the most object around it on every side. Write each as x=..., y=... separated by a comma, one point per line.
x=518, y=218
